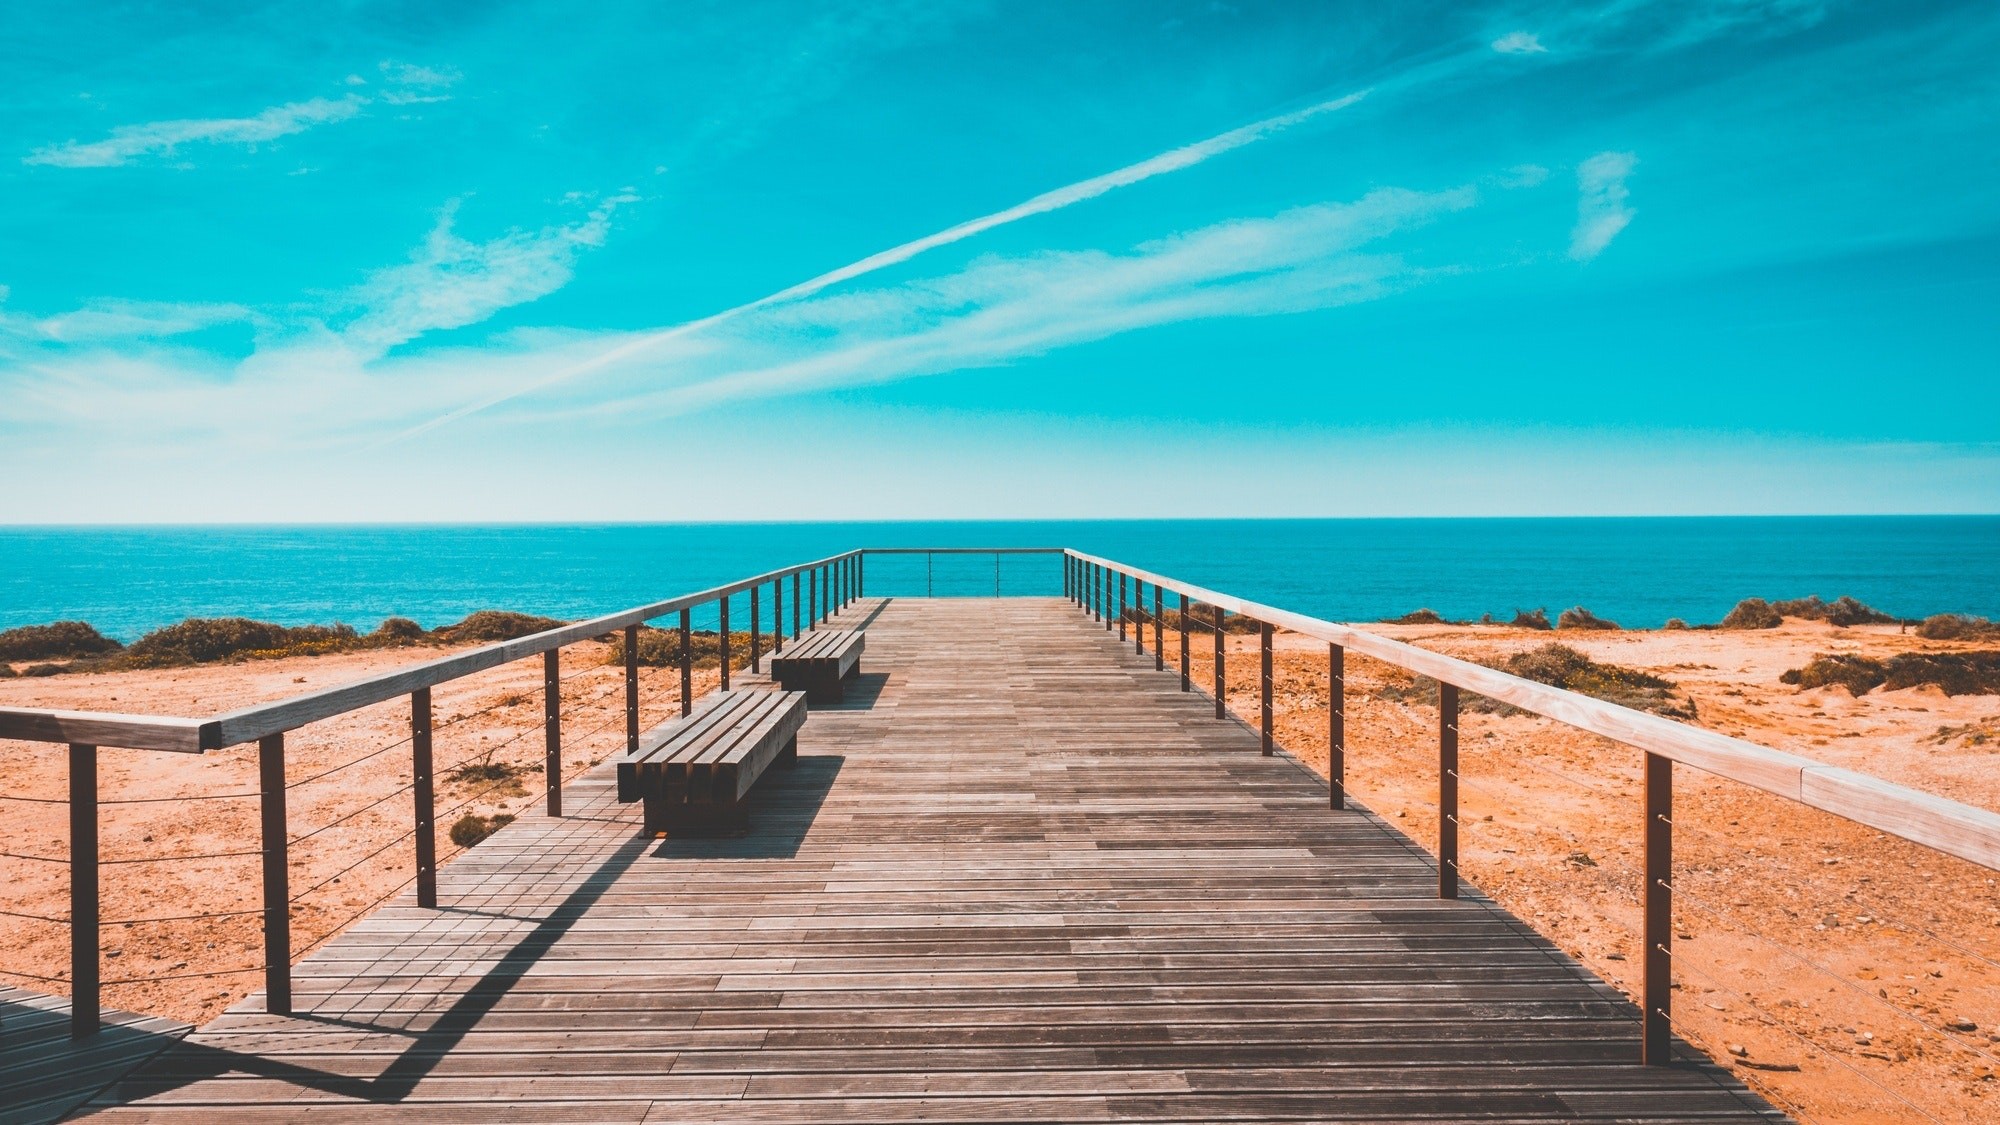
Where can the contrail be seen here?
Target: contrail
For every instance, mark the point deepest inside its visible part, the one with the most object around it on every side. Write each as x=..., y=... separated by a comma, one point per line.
x=1187, y=156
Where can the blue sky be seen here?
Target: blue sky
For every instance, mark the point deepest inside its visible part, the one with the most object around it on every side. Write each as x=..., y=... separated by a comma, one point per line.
x=746, y=260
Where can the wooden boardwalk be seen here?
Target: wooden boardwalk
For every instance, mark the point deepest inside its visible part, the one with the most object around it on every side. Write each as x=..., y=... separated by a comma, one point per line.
x=1017, y=876
x=44, y=1073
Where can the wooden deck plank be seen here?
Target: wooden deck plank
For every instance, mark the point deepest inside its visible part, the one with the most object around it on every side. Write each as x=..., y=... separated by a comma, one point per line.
x=1020, y=876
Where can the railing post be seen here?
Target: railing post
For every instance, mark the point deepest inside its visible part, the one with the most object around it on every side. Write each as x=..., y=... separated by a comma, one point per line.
x=84, y=909
x=722, y=640
x=1066, y=583
x=1656, y=1036
x=552, y=728
x=631, y=689
x=996, y=574
x=861, y=574
x=812, y=593
x=777, y=616
x=798, y=602
x=1094, y=590
x=1221, y=685
x=1447, y=790
x=1187, y=676
x=421, y=766
x=277, y=876
x=687, y=662
x=928, y=584
x=1120, y=605
x=1110, y=606
x=1336, y=726
x=1159, y=630
x=756, y=642
x=1138, y=618
x=1264, y=685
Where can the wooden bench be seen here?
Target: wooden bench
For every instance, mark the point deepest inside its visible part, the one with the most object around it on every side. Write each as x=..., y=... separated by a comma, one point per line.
x=693, y=772
x=819, y=664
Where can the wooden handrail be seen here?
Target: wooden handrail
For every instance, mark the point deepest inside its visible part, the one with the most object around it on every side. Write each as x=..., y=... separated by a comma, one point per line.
x=1956, y=829
x=249, y=724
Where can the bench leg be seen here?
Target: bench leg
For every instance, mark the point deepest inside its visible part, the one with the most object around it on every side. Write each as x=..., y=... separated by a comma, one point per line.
x=654, y=820
x=789, y=756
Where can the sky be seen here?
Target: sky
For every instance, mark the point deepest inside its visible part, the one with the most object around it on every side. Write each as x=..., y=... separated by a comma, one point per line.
x=755, y=260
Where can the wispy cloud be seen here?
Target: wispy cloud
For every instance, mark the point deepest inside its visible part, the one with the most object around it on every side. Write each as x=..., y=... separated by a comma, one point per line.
x=406, y=84
x=1187, y=156
x=165, y=137
x=1601, y=205
x=116, y=320
x=1519, y=43
x=451, y=281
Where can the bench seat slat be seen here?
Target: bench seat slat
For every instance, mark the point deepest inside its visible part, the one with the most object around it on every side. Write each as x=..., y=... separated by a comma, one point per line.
x=693, y=772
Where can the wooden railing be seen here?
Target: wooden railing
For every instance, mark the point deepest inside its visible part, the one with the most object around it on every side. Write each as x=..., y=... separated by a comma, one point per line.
x=1099, y=587
x=818, y=589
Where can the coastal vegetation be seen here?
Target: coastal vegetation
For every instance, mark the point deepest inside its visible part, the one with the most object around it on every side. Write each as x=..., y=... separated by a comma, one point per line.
x=1956, y=627
x=74, y=646
x=1954, y=673
x=1559, y=665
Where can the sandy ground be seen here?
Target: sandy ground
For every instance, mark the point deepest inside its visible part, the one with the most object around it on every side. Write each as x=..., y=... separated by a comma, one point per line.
x=1803, y=940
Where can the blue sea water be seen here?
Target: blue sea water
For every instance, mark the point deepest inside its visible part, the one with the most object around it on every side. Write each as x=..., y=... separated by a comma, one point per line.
x=1638, y=571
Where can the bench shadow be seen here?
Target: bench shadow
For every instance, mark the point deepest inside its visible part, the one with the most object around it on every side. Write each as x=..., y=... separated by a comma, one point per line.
x=783, y=805
x=859, y=692
x=44, y=1074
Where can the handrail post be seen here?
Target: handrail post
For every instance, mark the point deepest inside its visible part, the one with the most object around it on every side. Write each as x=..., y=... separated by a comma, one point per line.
x=1110, y=606
x=1221, y=685
x=1447, y=790
x=1094, y=590
x=631, y=689
x=798, y=602
x=1138, y=618
x=687, y=662
x=1336, y=727
x=421, y=766
x=85, y=911
x=1159, y=630
x=277, y=876
x=1656, y=1035
x=929, y=585
x=1066, y=584
x=861, y=574
x=552, y=728
x=777, y=616
x=722, y=639
x=812, y=592
x=1264, y=685
x=756, y=642
x=1187, y=669
x=996, y=574
x=1120, y=605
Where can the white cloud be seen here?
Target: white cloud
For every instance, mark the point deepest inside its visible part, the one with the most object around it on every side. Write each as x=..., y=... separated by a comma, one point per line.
x=1519, y=43
x=1601, y=208
x=407, y=84
x=451, y=281
x=165, y=137
x=111, y=320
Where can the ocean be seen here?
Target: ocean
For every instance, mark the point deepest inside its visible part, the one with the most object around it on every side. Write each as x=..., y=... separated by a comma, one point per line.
x=1637, y=571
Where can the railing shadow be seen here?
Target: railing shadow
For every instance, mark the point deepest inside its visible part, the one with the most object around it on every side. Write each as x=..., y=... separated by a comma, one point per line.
x=190, y=1062
x=45, y=1074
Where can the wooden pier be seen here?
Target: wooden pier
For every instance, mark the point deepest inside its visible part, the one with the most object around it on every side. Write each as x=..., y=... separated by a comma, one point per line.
x=1018, y=875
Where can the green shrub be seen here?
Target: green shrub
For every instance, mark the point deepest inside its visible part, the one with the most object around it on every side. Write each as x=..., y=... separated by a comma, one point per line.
x=1842, y=611
x=395, y=632
x=1532, y=619
x=490, y=625
x=471, y=828
x=61, y=640
x=1956, y=627
x=1752, y=613
x=1954, y=673
x=1581, y=618
x=661, y=648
